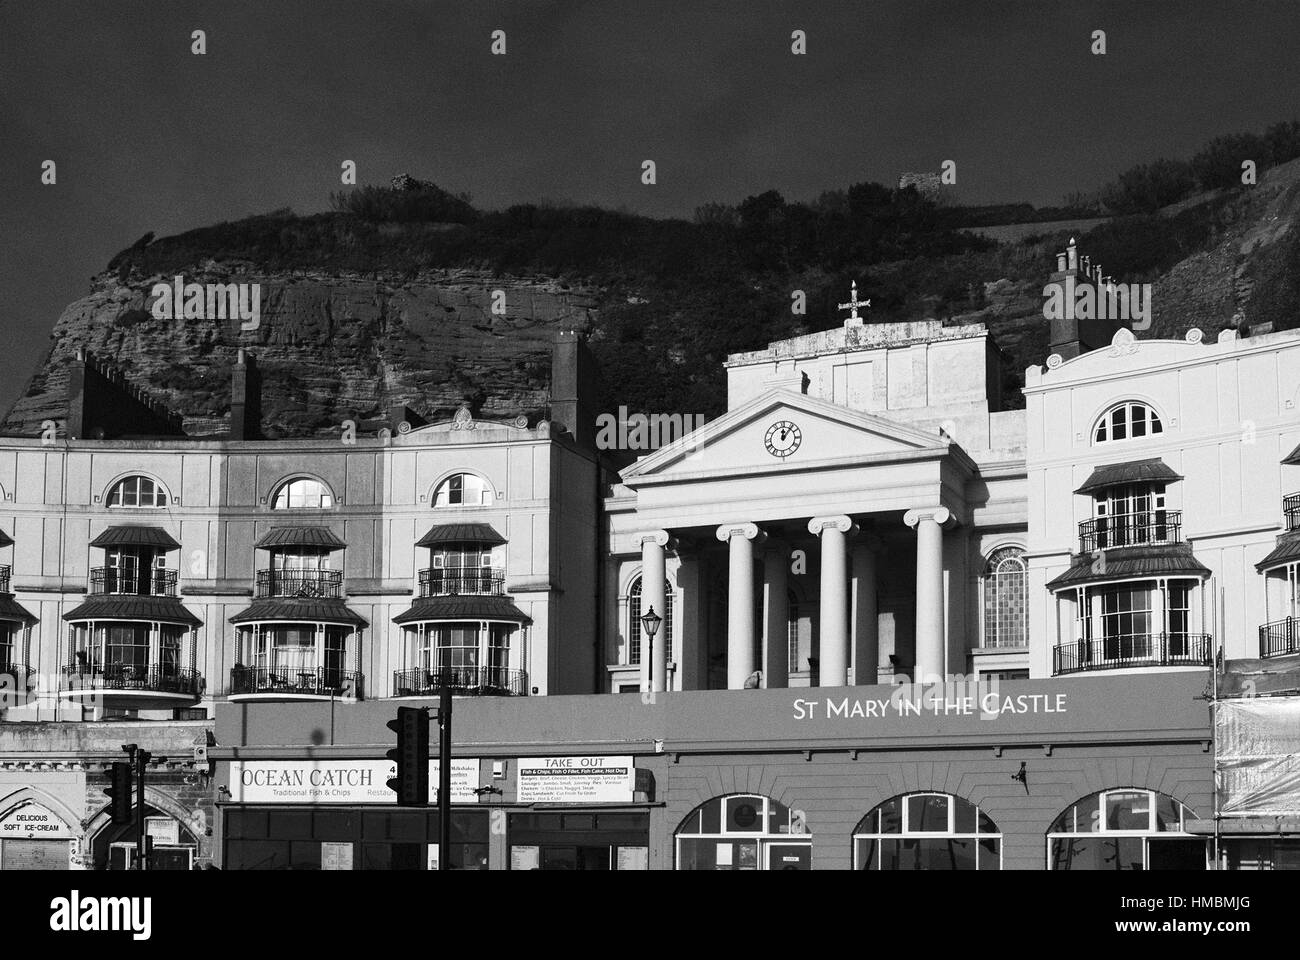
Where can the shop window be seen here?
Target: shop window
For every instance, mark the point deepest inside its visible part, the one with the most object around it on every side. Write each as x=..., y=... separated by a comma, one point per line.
x=579, y=841
x=1124, y=830
x=743, y=832
x=927, y=831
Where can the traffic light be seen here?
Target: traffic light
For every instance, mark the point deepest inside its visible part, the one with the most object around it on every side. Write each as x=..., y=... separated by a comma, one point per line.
x=411, y=756
x=119, y=793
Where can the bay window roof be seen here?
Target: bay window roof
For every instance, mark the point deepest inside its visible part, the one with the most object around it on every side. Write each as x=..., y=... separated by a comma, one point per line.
x=136, y=535
x=1171, y=560
x=463, y=608
x=1286, y=551
x=300, y=610
x=460, y=533
x=119, y=607
x=11, y=609
x=301, y=536
x=1154, y=470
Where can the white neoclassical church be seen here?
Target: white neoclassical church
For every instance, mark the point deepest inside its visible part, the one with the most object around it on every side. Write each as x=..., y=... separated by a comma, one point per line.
x=864, y=512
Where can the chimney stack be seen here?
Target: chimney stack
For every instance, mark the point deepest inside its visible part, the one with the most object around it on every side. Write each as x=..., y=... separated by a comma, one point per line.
x=573, y=387
x=1071, y=336
x=245, y=398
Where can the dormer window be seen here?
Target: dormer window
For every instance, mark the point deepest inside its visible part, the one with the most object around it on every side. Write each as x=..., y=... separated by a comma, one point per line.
x=1130, y=420
x=303, y=493
x=462, y=490
x=137, y=492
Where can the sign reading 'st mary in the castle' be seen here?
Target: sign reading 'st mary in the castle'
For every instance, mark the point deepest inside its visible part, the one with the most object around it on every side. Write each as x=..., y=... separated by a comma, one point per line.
x=987, y=706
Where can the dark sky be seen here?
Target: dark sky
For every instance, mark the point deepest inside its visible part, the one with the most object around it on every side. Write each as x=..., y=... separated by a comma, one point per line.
x=148, y=136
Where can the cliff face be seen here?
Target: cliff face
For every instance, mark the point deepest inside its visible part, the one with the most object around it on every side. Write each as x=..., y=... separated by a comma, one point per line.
x=330, y=348
x=360, y=315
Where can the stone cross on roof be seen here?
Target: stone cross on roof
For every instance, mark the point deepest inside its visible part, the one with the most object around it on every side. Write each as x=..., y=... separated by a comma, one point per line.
x=853, y=305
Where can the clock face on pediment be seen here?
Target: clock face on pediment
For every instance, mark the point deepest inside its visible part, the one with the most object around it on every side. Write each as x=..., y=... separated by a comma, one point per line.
x=783, y=438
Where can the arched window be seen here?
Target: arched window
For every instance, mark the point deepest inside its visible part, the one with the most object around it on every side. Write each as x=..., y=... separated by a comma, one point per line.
x=1126, y=829
x=1005, y=595
x=1127, y=421
x=462, y=490
x=743, y=832
x=634, y=628
x=303, y=493
x=927, y=831
x=137, y=492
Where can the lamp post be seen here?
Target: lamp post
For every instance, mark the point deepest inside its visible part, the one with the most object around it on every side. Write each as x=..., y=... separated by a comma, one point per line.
x=650, y=623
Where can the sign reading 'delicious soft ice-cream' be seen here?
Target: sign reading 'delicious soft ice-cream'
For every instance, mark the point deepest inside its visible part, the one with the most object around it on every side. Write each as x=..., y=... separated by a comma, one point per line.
x=576, y=780
x=338, y=781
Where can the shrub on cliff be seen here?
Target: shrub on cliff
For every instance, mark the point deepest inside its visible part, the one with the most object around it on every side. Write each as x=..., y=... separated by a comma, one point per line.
x=424, y=202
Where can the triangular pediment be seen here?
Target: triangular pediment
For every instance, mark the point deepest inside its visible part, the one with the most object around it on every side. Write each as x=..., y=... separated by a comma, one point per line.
x=783, y=429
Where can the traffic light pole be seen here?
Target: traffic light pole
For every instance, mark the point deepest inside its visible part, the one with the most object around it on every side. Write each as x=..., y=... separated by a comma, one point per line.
x=141, y=758
x=444, y=775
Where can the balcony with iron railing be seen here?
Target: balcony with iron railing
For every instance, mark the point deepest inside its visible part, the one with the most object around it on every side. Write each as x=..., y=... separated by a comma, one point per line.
x=1147, y=529
x=462, y=681
x=292, y=682
x=111, y=581
x=130, y=684
x=462, y=581
x=277, y=582
x=1279, y=638
x=4, y=577
x=1291, y=510
x=15, y=682
x=1133, y=650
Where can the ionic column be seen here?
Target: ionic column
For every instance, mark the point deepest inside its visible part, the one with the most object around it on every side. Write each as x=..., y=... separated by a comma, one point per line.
x=866, y=640
x=833, y=641
x=654, y=661
x=776, y=616
x=928, y=523
x=739, y=538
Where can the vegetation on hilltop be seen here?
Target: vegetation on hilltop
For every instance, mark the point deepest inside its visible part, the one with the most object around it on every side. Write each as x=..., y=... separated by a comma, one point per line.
x=678, y=296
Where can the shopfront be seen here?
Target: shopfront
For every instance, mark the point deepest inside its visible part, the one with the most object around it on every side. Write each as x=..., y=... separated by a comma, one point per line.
x=1077, y=774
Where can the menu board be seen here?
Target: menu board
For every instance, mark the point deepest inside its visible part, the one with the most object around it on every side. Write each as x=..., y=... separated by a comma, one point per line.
x=335, y=856
x=575, y=780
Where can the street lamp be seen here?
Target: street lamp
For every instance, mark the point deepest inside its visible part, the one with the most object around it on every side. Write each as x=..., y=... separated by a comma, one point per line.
x=650, y=622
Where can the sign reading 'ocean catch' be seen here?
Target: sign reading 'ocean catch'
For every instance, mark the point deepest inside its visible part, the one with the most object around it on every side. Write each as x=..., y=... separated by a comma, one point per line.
x=576, y=780
x=338, y=781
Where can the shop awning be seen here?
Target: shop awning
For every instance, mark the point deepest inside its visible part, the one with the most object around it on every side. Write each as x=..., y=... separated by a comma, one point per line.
x=1287, y=549
x=460, y=533
x=300, y=610
x=11, y=609
x=1131, y=563
x=5, y=539
x=463, y=608
x=1132, y=471
x=1293, y=456
x=304, y=536
x=135, y=535
x=164, y=609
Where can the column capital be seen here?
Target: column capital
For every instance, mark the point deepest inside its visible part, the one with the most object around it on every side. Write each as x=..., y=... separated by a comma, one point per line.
x=661, y=537
x=940, y=515
x=741, y=528
x=839, y=522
